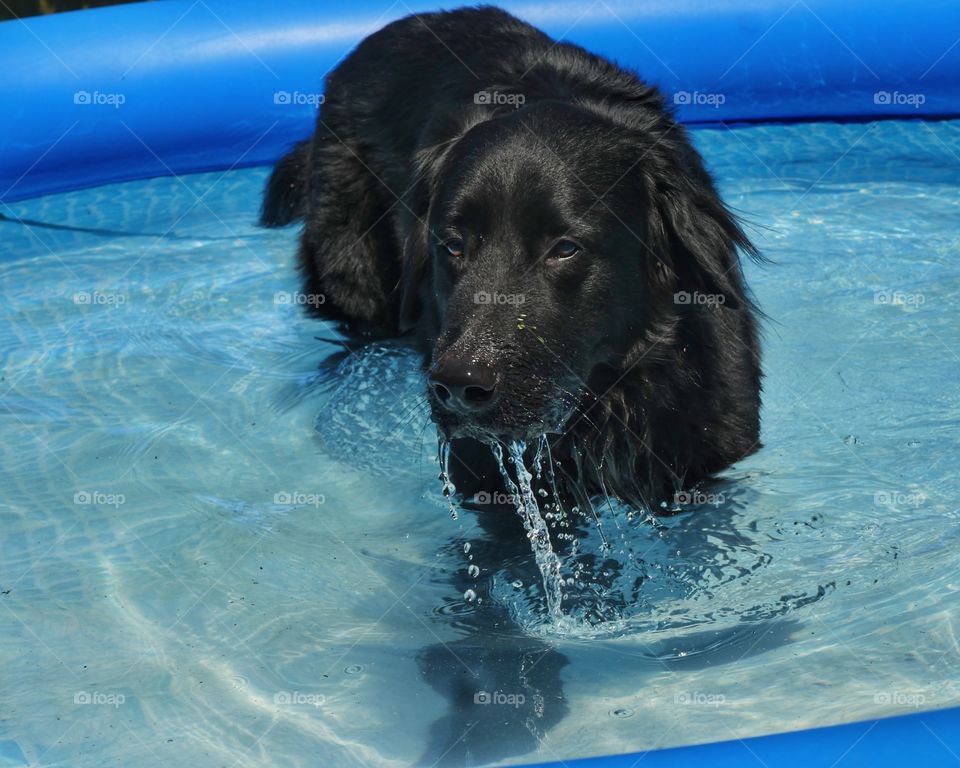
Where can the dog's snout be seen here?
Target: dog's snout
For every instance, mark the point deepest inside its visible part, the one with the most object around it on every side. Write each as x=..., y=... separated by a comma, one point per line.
x=463, y=385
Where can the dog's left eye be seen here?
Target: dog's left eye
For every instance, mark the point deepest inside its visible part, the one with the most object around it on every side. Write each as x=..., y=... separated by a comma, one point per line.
x=454, y=247
x=563, y=249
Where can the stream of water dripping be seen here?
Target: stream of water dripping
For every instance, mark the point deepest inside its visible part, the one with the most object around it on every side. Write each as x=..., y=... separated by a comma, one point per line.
x=533, y=523
x=449, y=489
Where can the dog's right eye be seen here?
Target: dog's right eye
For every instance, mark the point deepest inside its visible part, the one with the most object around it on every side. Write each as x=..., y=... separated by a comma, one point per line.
x=454, y=247
x=563, y=250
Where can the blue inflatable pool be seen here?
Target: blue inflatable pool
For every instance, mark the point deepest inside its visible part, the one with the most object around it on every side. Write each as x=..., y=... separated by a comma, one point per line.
x=234, y=84
x=178, y=87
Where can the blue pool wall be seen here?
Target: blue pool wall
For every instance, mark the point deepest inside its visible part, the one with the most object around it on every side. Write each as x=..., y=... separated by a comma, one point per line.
x=920, y=739
x=176, y=87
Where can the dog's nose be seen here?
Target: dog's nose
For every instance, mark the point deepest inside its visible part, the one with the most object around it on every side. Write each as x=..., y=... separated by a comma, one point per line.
x=462, y=385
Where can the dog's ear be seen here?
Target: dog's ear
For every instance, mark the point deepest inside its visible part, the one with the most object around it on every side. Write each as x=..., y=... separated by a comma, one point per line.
x=415, y=277
x=695, y=236
x=428, y=164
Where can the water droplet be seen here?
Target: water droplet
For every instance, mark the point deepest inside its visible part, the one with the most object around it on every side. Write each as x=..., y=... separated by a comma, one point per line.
x=542, y=493
x=469, y=595
x=621, y=712
x=466, y=547
x=518, y=584
x=353, y=669
x=473, y=570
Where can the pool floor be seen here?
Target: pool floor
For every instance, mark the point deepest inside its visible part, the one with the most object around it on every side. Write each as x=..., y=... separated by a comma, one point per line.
x=224, y=541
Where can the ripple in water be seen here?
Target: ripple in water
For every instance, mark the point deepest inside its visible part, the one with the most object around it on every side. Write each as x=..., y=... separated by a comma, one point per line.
x=644, y=574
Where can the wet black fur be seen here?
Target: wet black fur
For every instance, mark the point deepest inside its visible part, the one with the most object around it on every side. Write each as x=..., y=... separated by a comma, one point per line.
x=401, y=145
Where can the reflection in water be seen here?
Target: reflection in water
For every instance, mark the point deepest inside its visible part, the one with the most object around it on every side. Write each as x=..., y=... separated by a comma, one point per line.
x=503, y=687
x=503, y=694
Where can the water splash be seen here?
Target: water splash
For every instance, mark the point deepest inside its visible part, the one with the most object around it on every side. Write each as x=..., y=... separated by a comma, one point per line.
x=559, y=517
x=592, y=582
x=534, y=524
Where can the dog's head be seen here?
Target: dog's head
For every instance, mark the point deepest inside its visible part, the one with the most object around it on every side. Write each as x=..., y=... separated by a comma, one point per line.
x=556, y=249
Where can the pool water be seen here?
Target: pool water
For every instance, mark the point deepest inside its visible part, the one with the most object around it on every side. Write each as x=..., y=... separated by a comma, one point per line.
x=224, y=541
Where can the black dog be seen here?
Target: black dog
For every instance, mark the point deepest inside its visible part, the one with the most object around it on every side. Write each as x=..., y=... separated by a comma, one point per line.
x=539, y=219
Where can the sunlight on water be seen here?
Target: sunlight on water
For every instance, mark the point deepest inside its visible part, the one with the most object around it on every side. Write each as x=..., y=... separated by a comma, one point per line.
x=224, y=540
